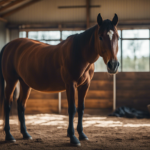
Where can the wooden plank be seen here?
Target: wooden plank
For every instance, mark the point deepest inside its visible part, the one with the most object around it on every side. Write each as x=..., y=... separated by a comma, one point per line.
x=42, y=103
x=41, y=106
x=133, y=85
x=101, y=85
x=133, y=76
x=102, y=76
x=4, y=2
x=92, y=103
x=19, y=8
x=95, y=94
x=39, y=95
x=2, y=19
x=128, y=94
x=40, y=110
x=10, y=5
x=137, y=103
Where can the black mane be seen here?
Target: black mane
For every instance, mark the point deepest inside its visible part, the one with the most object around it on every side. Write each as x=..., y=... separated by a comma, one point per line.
x=106, y=25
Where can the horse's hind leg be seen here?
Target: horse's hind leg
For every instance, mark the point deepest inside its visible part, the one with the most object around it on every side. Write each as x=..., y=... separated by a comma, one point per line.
x=24, y=94
x=9, y=90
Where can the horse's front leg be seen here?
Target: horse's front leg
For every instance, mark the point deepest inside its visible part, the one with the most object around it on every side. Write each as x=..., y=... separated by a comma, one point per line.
x=70, y=90
x=82, y=90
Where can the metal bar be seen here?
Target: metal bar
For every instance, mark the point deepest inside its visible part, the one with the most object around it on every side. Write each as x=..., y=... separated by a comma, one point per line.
x=114, y=92
x=121, y=50
x=27, y=34
x=135, y=38
x=59, y=102
x=48, y=40
x=149, y=50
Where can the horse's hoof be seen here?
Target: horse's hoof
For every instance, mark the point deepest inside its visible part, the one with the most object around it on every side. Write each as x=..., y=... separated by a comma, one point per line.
x=82, y=136
x=74, y=141
x=77, y=145
x=10, y=138
x=27, y=136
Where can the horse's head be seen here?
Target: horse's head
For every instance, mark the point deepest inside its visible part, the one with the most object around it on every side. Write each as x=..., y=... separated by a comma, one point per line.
x=108, y=41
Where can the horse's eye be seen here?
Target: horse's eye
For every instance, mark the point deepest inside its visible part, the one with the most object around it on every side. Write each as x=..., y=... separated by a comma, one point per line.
x=100, y=38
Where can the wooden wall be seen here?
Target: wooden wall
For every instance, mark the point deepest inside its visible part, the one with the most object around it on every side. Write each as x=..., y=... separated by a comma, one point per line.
x=133, y=89
x=42, y=103
x=99, y=97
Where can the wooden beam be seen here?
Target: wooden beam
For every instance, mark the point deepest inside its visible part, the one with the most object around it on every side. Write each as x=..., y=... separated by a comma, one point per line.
x=2, y=19
x=4, y=2
x=19, y=8
x=77, y=6
x=10, y=5
x=87, y=14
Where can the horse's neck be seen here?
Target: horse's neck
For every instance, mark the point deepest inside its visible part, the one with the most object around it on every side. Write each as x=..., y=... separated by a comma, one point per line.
x=87, y=44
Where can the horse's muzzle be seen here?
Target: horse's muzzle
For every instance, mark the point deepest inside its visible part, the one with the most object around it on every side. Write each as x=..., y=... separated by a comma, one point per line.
x=112, y=66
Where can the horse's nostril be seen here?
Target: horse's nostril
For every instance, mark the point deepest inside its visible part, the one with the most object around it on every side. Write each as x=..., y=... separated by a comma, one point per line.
x=109, y=64
x=113, y=64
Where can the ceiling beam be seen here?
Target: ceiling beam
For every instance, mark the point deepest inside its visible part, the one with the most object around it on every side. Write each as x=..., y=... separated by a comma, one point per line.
x=2, y=19
x=10, y=5
x=4, y=2
x=78, y=6
x=19, y=8
x=87, y=14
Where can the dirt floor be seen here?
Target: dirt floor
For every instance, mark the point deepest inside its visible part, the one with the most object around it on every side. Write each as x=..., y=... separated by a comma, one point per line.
x=49, y=132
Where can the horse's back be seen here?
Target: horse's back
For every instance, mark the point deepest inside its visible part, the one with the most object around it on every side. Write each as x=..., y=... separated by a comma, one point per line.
x=35, y=62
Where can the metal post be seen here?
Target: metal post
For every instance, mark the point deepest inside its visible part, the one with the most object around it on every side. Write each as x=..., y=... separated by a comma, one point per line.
x=59, y=102
x=114, y=92
x=121, y=50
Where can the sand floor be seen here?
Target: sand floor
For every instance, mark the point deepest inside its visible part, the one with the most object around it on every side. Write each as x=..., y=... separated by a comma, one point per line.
x=105, y=133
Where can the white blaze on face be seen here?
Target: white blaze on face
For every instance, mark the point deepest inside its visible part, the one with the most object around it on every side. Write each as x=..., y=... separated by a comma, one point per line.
x=110, y=33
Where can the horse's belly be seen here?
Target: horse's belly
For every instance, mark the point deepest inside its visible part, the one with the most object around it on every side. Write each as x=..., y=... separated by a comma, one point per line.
x=51, y=82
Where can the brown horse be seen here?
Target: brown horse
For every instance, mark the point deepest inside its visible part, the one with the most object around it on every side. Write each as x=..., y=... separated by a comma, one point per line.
x=48, y=68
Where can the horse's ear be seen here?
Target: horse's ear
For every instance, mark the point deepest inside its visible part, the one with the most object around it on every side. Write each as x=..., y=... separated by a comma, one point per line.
x=115, y=20
x=99, y=19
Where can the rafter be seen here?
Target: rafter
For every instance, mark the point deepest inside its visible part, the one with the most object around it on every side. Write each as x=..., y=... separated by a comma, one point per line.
x=2, y=19
x=10, y=5
x=4, y=2
x=19, y=8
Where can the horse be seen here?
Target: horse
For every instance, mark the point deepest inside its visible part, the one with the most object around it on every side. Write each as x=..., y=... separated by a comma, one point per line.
x=48, y=68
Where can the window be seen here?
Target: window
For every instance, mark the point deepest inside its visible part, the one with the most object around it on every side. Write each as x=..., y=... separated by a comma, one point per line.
x=22, y=34
x=65, y=34
x=49, y=37
x=135, y=50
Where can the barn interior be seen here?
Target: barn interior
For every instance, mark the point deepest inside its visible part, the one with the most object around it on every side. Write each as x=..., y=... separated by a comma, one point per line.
x=51, y=22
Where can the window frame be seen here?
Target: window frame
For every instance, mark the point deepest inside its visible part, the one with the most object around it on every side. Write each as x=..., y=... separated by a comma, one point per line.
x=121, y=38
